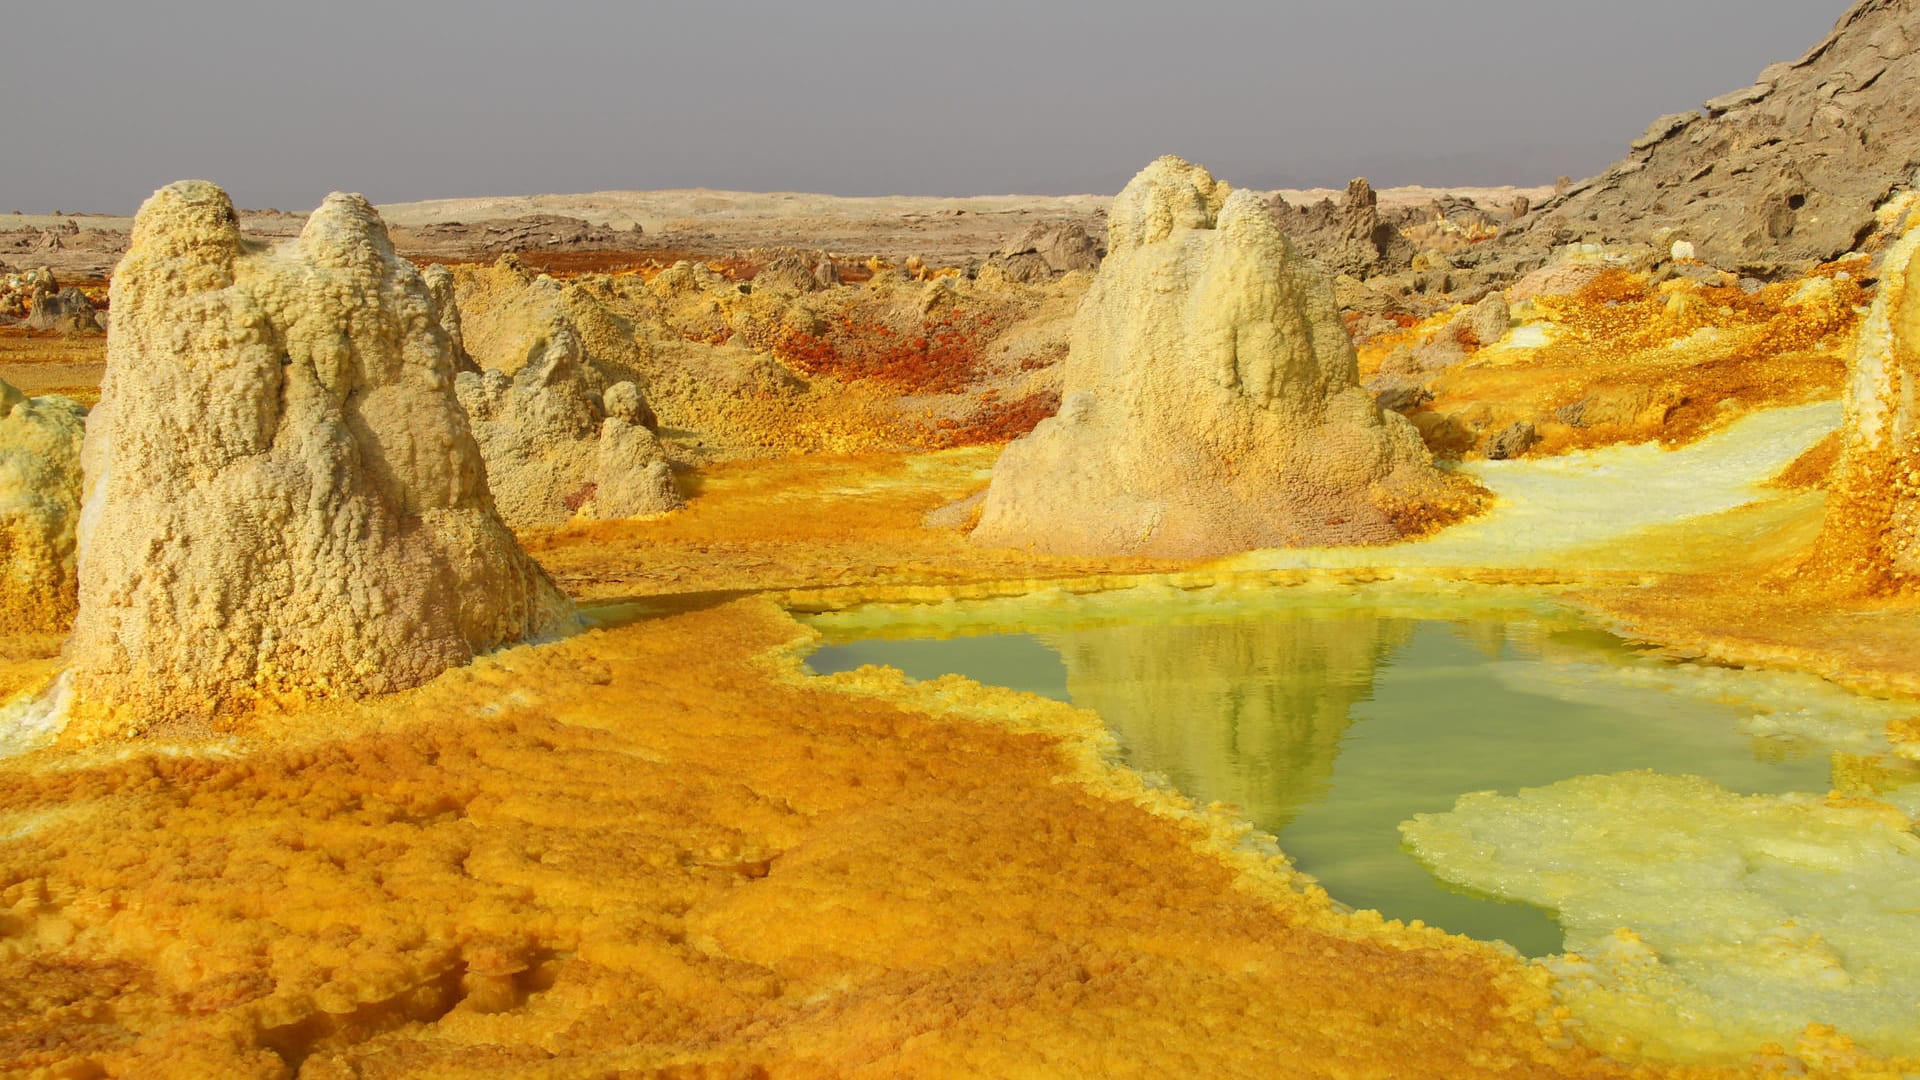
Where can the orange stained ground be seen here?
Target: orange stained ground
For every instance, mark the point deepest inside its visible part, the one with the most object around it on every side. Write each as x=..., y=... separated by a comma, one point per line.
x=1669, y=362
x=43, y=362
x=658, y=849
x=655, y=850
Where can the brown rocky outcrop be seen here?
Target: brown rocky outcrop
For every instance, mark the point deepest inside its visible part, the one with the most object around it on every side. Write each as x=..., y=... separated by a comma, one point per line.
x=1778, y=174
x=1046, y=250
x=1349, y=237
x=37, y=301
x=532, y=232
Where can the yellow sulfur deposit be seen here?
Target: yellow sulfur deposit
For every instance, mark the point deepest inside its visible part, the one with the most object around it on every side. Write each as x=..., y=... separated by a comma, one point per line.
x=659, y=847
x=1703, y=923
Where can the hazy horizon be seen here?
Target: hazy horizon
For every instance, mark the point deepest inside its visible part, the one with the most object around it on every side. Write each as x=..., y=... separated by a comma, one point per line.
x=437, y=99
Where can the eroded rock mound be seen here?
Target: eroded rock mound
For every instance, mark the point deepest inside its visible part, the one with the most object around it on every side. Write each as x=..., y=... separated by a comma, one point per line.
x=1871, y=536
x=555, y=449
x=68, y=311
x=1348, y=238
x=1045, y=251
x=506, y=315
x=1784, y=172
x=446, y=312
x=556, y=401
x=36, y=300
x=1210, y=399
x=284, y=499
x=793, y=270
x=39, y=509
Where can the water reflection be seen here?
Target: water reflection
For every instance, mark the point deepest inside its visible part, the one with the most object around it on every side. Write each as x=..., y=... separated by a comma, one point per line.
x=1331, y=722
x=1247, y=712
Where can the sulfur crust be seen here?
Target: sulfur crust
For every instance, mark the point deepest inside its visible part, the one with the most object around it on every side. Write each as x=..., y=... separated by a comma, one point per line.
x=662, y=845
x=1872, y=535
x=728, y=868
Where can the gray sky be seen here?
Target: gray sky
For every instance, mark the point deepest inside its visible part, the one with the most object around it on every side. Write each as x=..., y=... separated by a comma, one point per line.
x=282, y=102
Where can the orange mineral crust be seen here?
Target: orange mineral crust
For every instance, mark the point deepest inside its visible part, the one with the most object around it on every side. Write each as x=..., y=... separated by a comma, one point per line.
x=45, y=362
x=658, y=849
x=1624, y=360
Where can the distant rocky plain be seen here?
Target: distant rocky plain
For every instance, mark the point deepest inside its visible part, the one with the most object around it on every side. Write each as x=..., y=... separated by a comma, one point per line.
x=688, y=223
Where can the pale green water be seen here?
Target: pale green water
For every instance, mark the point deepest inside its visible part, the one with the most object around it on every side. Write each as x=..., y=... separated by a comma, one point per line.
x=1331, y=721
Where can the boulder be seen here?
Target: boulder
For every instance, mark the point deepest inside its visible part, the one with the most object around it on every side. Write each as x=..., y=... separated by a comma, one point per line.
x=1511, y=441
x=1210, y=400
x=1042, y=252
x=1063, y=246
x=40, y=442
x=1487, y=321
x=68, y=311
x=284, y=499
x=793, y=270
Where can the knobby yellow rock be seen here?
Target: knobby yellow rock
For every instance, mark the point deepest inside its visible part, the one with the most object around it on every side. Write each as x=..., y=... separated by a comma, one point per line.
x=283, y=494
x=1211, y=400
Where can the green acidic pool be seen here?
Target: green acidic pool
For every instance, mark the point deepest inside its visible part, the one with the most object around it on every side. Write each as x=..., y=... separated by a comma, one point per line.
x=1331, y=719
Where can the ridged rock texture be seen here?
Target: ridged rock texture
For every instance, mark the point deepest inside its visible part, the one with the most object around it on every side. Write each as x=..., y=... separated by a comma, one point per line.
x=506, y=315
x=557, y=404
x=1046, y=250
x=555, y=449
x=1778, y=174
x=284, y=500
x=1210, y=400
x=39, y=509
x=446, y=312
x=1350, y=238
x=1872, y=532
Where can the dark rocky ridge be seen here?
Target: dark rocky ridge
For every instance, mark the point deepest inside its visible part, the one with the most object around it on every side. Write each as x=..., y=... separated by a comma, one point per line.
x=1774, y=176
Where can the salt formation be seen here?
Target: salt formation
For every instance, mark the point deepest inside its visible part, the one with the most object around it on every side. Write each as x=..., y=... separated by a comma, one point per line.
x=1211, y=399
x=556, y=403
x=1872, y=531
x=283, y=496
x=446, y=312
x=39, y=508
x=507, y=316
x=1683, y=901
x=554, y=449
